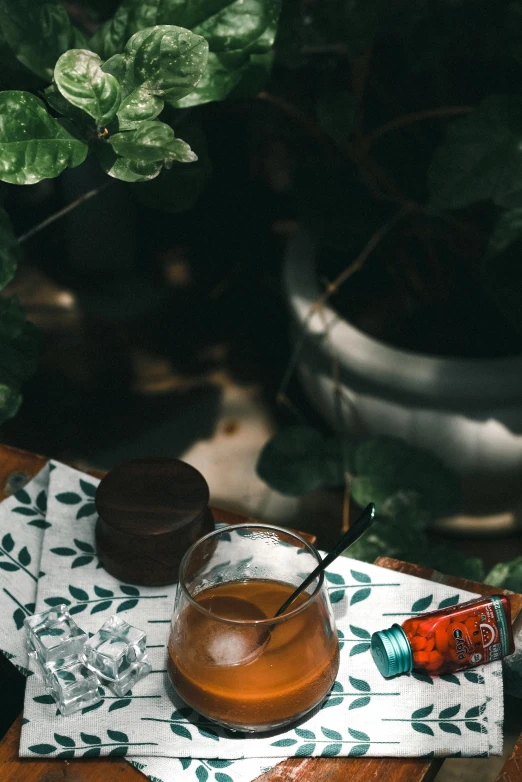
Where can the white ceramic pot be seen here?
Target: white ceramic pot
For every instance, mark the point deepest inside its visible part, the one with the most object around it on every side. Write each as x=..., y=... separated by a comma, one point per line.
x=466, y=411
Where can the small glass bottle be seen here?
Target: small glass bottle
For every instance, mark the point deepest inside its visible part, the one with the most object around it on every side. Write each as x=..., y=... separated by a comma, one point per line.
x=451, y=639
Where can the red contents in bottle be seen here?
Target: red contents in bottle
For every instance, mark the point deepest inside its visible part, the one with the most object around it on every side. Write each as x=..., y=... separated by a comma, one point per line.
x=460, y=637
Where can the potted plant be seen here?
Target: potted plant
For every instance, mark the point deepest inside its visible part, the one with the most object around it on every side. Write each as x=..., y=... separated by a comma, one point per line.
x=119, y=90
x=404, y=285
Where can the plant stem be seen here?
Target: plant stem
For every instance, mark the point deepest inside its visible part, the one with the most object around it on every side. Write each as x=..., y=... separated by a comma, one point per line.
x=24, y=609
x=415, y=116
x=62, y=212
x=361, y=259
x=18, y=564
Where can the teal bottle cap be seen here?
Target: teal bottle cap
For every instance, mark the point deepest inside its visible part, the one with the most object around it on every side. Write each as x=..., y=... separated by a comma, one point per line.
x=391, y=651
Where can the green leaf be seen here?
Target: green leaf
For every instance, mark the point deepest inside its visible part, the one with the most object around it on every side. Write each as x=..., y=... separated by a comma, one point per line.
x=180, y=730
x=78, y=610
x=363, y=578
x=208, y=733
x=101, y=606
x=83, y=546
x=449, y=601
x=449, y=727
x=507, y=575
x=57, y=601
x=9, y=566
x=358, y=750
x=166, y=60
x=118, y=752
x=34, y=145
x=475, y=678
x=299, y=459
x=450, y=678
x=69, y=498
x=40, y=523
x=359, y=684
x=87, y=738
x=359, y=596
x=88, y=489
x=24, y=557
x=11, y=314
x=129, y=590
x=116, y=735
x=42, y=749
x=25, y=511
x=337, y=596
x=331, y=750
x=423, y=677
x=100, y=592
x=37, y=32
x=358, y=735
x=124, y=169
x=305, y=734
x=226, y=25
x=177, y=188
x=360, y=632
x=223, y=777
x=139, y=106
x=185, y=762
x=22, y=495
x=19, y=618
x=334, y=578
x=220, y=763
x=283, y=743
x=81, y=81
x=126, y=605
x=359, y=649
x=202, y=774
x=451, y=711
x=358, y=703
x=78, y=594
x=421, y=727
x=86, y=510
x=120, y=704
x=64, y=741
x=475, y=726
x=331, y=734
x=422, y=604
x=47, y=699
x=305, y=750
x=386, y=466
x=8, y=542
x=81, y=561
x=216, y=83
x=476, y=711
x=424, y=712
x=150, y=142
x=480, y=157
x=94, y=752
x=331, y=702
x=41, y=502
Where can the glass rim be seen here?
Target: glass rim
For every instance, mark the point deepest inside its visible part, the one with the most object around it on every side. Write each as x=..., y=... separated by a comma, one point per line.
x=252, y=622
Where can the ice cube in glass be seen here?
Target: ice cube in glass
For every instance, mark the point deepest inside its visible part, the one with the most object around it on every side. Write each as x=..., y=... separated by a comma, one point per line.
x=53, y=635
x=118, y=654
x=72, y=685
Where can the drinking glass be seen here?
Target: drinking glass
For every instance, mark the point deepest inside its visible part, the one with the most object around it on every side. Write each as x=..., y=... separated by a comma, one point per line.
x=229, y=658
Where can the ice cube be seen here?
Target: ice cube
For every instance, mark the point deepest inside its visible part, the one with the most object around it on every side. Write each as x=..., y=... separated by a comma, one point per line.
x=118, y=654
x=53, y=635
x=72, y=685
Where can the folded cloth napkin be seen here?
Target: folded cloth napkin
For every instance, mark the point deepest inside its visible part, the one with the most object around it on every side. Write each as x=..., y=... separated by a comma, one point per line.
x=47, y=556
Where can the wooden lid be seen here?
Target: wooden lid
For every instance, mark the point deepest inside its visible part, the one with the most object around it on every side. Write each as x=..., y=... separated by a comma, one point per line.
x=147, y=497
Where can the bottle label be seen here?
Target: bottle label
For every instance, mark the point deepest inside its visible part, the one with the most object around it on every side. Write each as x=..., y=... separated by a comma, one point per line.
x=463, y=636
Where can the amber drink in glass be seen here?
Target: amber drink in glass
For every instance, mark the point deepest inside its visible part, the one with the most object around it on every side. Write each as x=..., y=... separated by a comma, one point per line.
x=229, y=659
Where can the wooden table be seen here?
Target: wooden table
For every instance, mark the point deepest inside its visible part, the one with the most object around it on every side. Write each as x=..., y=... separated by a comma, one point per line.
x=13, y=465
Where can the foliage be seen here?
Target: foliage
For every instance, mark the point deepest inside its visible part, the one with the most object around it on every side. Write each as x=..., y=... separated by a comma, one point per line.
x=104, y=96
x=408, y=486
x=417, y=106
